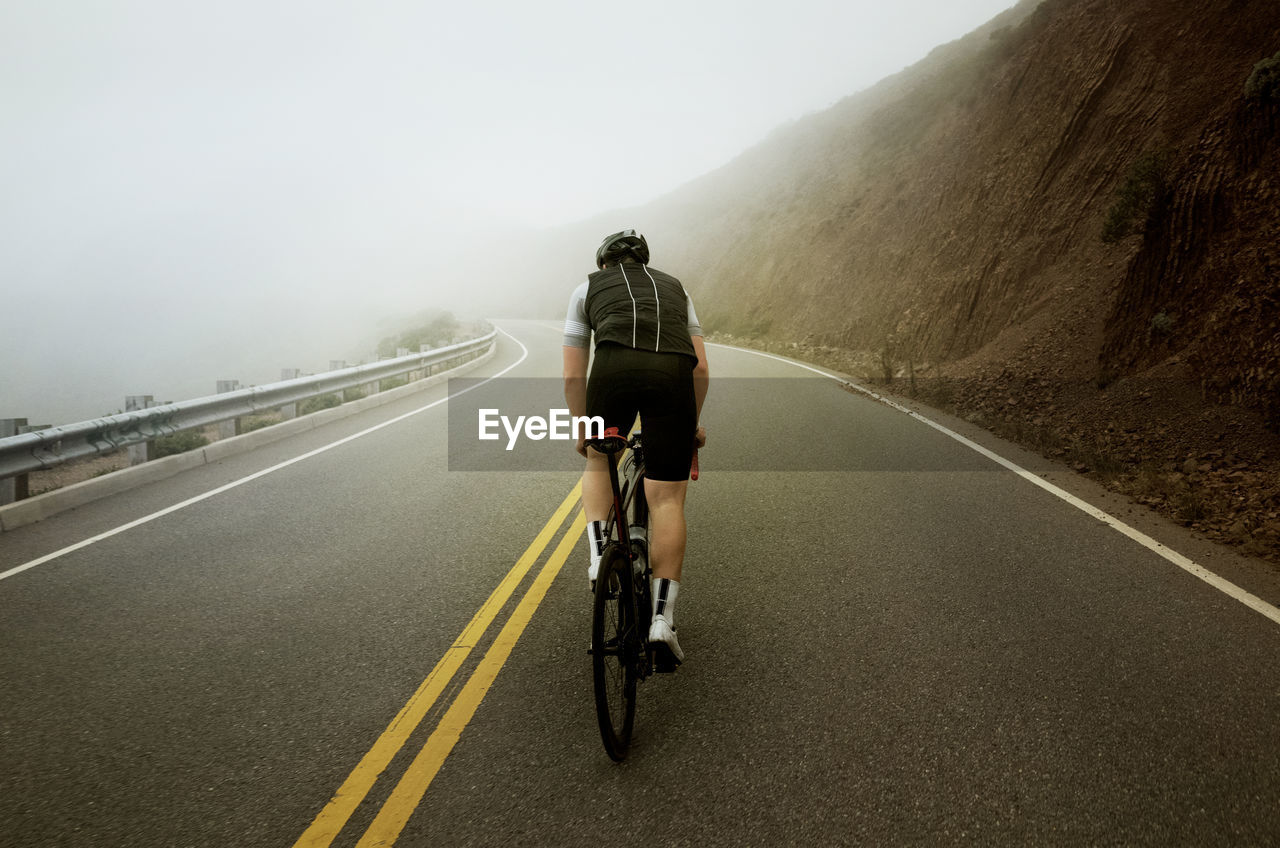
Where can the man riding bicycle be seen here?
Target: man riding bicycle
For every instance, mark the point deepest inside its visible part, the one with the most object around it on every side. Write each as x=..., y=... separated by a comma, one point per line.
x=649, y=359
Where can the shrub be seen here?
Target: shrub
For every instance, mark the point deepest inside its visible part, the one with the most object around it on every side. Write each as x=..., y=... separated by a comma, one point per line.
x=318, y=403
x=886, y=366
x=1264, y=82
x=434, y=332
x=1191, y=507
x=257, y=422
x=182, y=442
x=392, y=383
x=1142, y=185
x=1001, y=44
x=1161, y=324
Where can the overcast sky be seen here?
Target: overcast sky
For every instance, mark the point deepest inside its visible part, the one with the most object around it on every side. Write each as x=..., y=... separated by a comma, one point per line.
x=178, y=178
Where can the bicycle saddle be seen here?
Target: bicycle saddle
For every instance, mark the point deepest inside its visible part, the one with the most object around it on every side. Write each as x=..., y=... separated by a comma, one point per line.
x=611, y=442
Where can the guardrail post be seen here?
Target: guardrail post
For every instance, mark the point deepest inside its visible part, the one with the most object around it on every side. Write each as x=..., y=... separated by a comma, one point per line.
x=289, y=410
x=426, y=369
x=227, y=429
x=146, y=451
x=13, y=488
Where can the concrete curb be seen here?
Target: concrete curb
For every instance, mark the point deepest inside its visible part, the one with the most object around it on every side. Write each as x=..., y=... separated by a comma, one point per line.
x=31, y=510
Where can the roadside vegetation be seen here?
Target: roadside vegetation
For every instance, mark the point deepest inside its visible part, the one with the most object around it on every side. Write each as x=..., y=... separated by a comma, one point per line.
x=256, y=422
x=1264, y=83
x=1143, y=186
x=433, y=329
x=392, y=383
x=316, y=404
x=174, y=443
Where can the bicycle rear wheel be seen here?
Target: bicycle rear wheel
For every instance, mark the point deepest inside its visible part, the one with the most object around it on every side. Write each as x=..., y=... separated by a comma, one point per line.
x=615, y=641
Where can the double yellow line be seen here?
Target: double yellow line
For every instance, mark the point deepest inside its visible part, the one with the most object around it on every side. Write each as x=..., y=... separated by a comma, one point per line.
x=408, y=793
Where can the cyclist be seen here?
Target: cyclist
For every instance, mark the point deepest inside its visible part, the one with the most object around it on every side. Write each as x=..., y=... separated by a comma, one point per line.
x=649, y=359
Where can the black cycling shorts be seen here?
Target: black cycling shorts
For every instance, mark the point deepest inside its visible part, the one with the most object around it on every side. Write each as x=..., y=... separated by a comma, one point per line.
x=659, y=386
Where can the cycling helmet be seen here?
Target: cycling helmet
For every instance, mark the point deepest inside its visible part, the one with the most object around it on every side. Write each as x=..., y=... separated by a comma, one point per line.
x=619, y=245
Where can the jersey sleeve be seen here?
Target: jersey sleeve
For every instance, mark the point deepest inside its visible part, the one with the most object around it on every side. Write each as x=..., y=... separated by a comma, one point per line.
x=577, y=329
x=695, y=328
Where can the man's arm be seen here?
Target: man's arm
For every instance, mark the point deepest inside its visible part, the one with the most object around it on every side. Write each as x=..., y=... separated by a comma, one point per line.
x=575, y=384
x=701, y=373
x=701, y=381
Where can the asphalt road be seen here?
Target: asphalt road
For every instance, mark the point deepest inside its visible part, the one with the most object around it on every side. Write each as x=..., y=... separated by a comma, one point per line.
x=890, y=639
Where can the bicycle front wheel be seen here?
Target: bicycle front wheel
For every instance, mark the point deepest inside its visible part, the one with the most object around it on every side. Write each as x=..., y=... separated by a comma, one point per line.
x=615, y=640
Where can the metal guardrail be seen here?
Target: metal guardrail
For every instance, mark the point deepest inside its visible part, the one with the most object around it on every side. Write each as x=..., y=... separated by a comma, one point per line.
x=53, y=446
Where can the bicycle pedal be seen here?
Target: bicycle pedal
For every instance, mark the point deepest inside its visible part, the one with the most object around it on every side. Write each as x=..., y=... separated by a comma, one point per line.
x=664, y=662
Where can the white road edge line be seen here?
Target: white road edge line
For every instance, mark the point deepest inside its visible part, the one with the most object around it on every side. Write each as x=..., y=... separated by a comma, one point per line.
x=264, y=472
x=1191, y=567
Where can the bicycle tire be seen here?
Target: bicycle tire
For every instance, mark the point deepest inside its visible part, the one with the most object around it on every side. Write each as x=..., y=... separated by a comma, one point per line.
x=615, y=641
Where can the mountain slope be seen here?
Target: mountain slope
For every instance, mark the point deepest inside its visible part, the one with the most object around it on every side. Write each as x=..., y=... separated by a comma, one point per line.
x=935, y=221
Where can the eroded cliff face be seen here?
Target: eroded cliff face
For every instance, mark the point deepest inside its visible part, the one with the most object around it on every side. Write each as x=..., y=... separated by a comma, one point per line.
x=1204, y=287
x=960, y=205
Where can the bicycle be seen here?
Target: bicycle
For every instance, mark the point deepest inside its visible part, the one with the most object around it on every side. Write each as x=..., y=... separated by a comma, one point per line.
x=623, y=603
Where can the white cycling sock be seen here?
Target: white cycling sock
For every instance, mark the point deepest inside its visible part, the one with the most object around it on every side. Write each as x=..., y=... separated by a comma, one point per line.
x=664, y=599
x=595, y=544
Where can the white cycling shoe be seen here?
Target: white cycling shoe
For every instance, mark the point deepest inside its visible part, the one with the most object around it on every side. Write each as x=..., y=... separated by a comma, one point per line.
x=595, y=551
x=666, y=648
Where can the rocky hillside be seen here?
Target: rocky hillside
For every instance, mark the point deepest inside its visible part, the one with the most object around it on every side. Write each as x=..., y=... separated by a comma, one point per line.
x=956, y=201
x=938, y=211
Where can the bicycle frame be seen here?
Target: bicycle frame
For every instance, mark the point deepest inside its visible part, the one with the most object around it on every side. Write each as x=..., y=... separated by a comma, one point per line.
x=624, y=495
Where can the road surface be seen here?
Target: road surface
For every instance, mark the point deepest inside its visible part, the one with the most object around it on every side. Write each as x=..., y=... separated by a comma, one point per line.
x=890, y=639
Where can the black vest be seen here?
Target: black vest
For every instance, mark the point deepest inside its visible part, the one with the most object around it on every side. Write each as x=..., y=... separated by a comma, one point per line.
x=632, y=305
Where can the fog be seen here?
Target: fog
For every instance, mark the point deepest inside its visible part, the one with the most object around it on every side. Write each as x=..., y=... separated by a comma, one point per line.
x=194, y=192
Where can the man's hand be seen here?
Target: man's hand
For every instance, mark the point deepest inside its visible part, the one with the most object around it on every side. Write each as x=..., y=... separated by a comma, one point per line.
x=582, y=444
x=700, y=437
